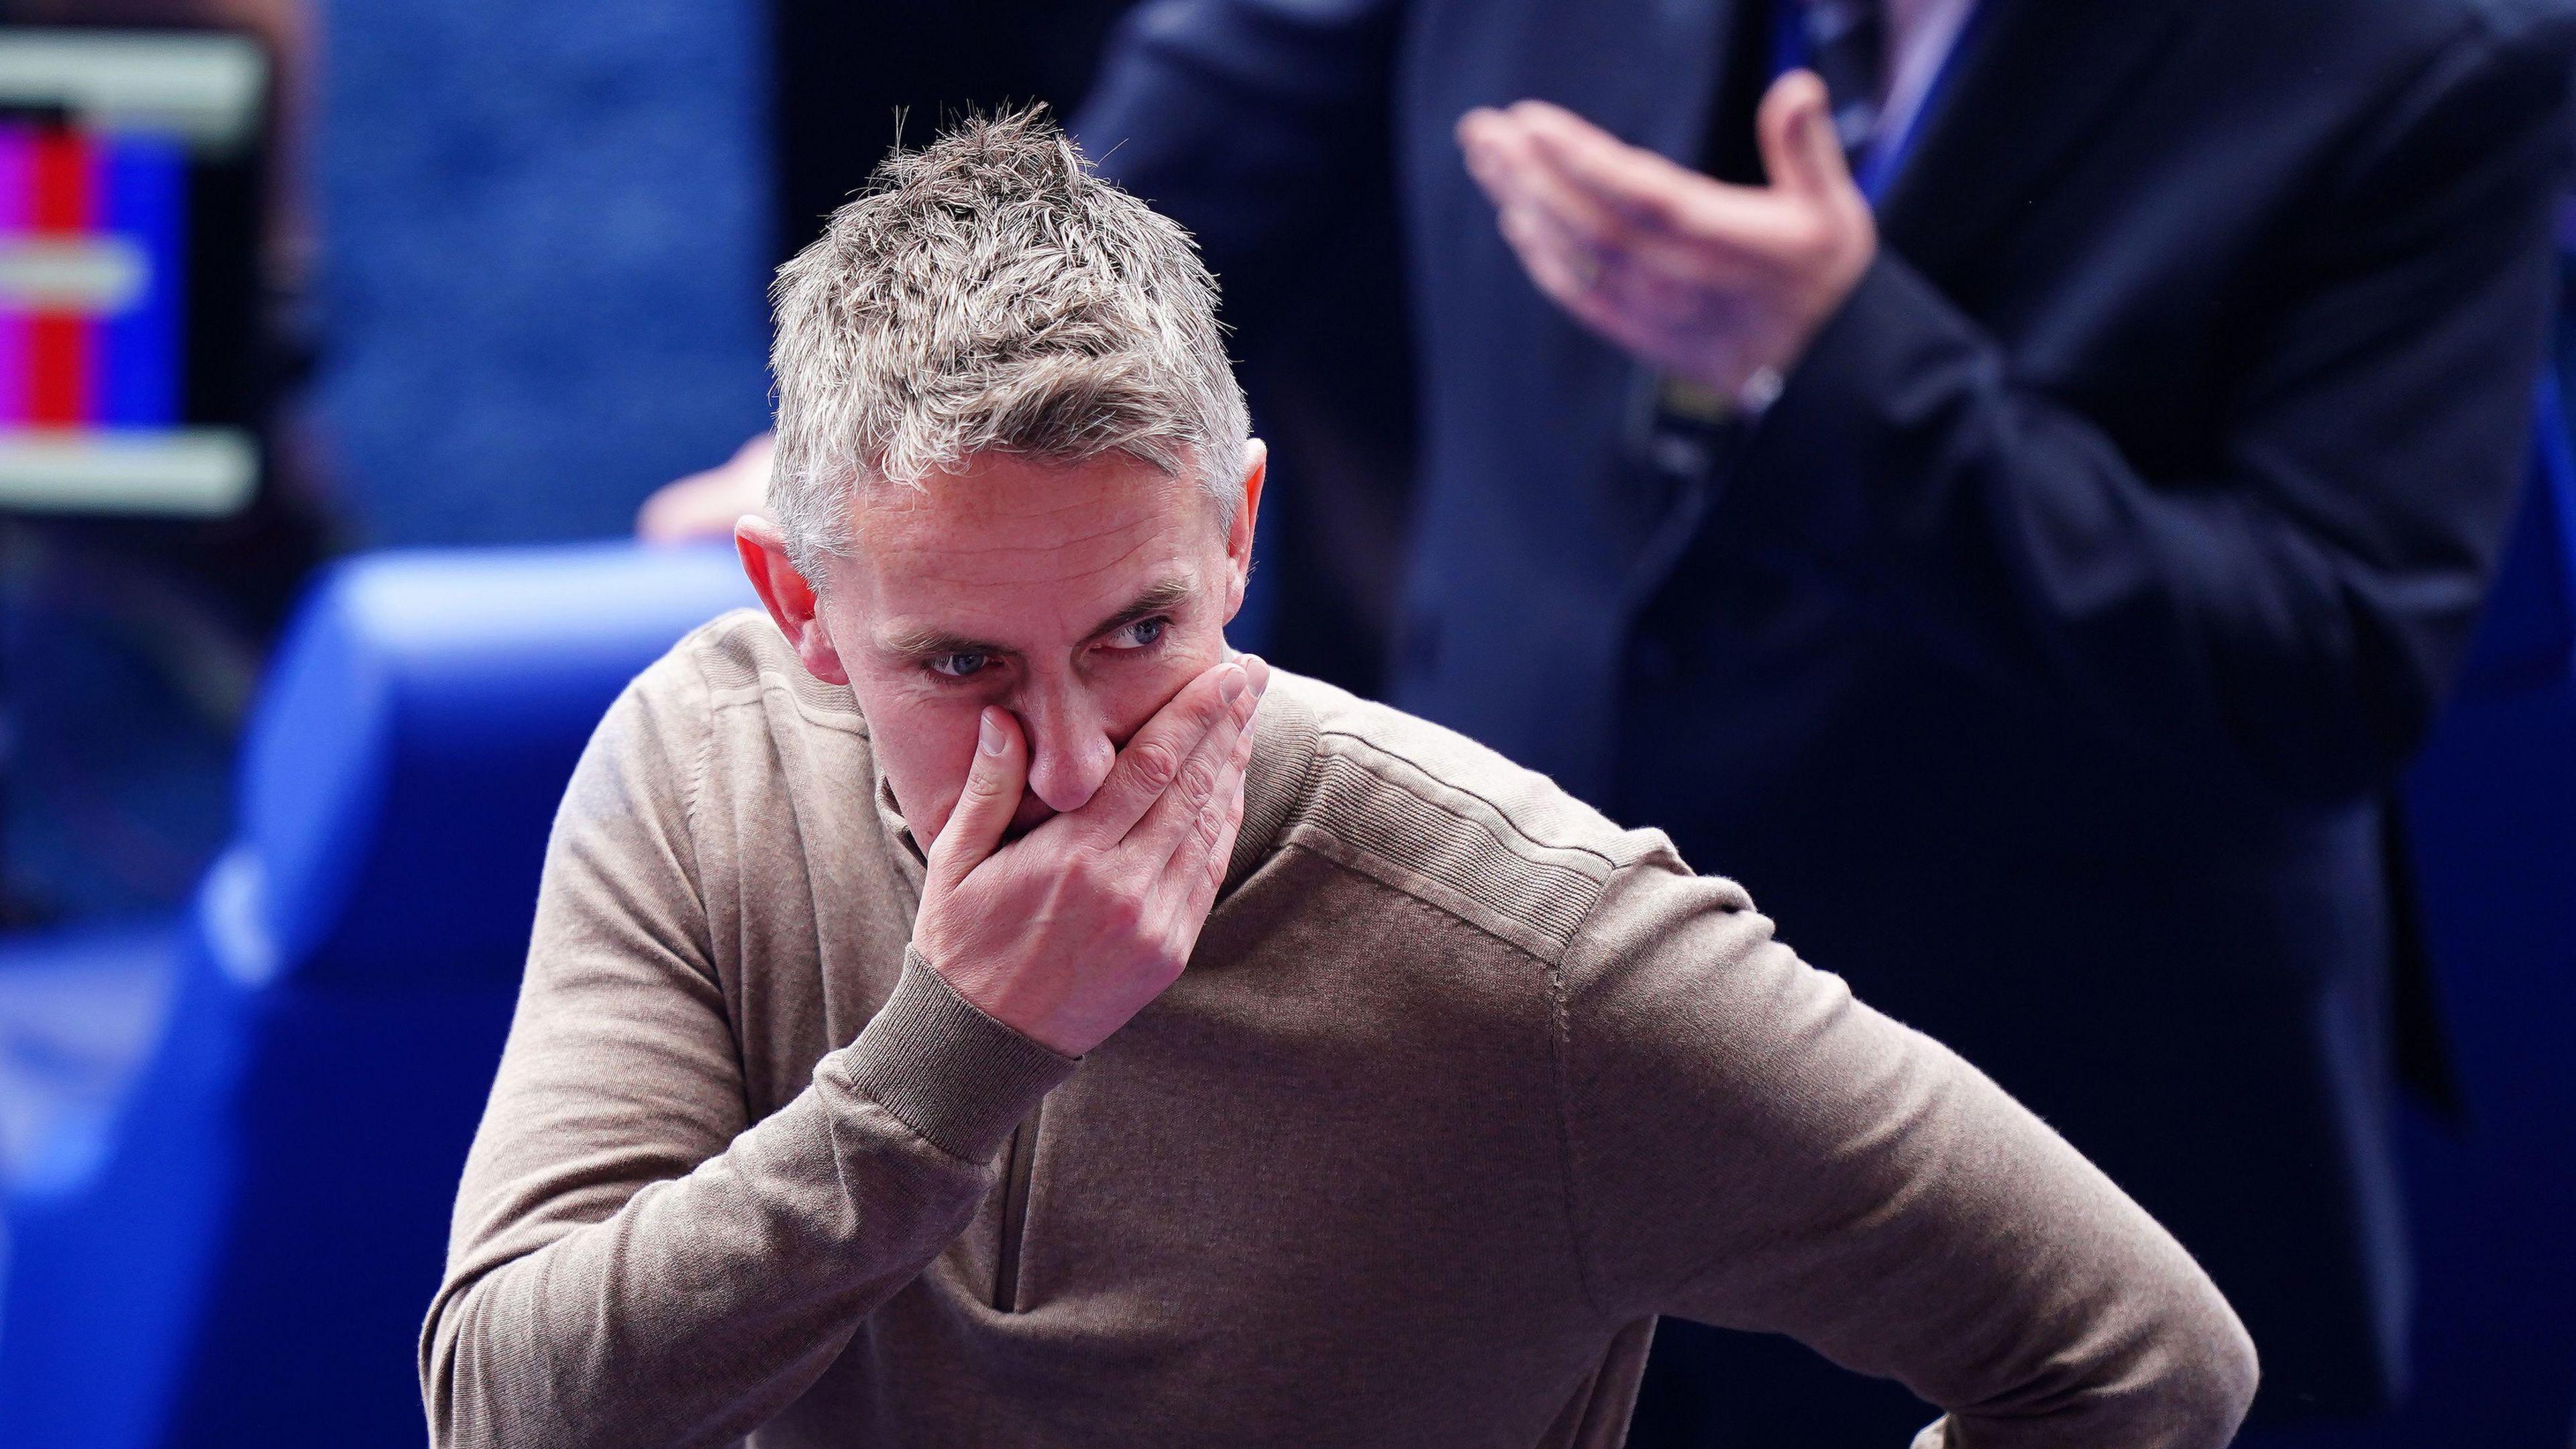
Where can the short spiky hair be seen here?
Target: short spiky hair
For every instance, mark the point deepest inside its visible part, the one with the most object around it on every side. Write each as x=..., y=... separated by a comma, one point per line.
x=991, y=291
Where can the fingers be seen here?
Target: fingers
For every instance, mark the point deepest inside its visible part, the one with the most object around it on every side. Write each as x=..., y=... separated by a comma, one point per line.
x=1606, y=229
x=1569, y=273
x=1154, y=757
x=1222, y=820
x=1642, y=308
x=1530, y=190
x=1796, y=130
x=1166, y=830
x=984, y=809
x=705, y=505
x=1500, y=155
x=1561, y=235
x=1629, y=185
x=1189, y=881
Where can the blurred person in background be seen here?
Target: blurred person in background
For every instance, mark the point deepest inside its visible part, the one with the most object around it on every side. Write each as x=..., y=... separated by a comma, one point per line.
x=2043, y=474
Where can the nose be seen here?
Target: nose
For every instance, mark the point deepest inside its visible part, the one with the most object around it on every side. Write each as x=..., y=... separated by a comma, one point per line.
x=1069, y=745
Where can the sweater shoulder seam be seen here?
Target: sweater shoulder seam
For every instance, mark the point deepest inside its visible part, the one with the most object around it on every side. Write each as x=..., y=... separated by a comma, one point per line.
x=1477, y=864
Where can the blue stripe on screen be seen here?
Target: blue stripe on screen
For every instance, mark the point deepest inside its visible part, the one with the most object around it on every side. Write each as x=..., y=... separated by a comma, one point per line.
x=145, y=195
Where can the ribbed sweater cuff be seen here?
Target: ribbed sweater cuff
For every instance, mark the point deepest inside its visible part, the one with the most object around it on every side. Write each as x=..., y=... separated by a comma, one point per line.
x=946, y=1070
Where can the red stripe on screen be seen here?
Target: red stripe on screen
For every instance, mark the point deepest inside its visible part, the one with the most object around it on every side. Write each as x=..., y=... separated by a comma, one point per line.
x=62, y=362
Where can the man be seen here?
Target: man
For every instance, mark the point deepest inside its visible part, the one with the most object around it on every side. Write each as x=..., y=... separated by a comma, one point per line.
x=2142, y=427
x=858, y=1093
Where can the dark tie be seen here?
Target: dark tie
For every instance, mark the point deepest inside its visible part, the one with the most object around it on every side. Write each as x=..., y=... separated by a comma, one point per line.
x=1847, y=45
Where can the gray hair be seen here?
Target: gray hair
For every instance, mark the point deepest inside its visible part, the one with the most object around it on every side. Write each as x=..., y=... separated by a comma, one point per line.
x=991, y=291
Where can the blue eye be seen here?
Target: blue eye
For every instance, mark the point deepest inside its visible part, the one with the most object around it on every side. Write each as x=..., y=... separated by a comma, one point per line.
x=958, y=666
x=1138, y=635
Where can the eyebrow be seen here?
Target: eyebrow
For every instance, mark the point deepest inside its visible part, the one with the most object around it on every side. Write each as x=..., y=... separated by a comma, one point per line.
x=1161, y=597
x=1158, y=597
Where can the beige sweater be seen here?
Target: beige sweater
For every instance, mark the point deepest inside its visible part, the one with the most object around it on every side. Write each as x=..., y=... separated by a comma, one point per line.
x=1463, y=1086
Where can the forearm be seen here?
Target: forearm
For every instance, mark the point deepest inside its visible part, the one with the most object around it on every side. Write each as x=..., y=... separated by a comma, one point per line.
x=2036, y=1301
x=707, y=1303
x=1753, y=1148
x=2204, y=618
x=1951, y=1240
x=2287, y=593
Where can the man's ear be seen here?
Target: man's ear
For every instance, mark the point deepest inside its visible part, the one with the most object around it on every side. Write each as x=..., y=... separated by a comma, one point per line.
x=789, y=597
x=1247, y=512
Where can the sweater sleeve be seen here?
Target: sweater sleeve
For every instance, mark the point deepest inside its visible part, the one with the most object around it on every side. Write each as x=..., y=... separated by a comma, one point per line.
x=632, y=1261
x=1751, y=1147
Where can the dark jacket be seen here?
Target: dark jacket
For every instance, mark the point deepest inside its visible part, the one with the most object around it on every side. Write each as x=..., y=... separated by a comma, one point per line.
x=2045, y=655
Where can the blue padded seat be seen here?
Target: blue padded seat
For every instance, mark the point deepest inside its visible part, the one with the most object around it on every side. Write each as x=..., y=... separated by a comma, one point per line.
x=78, y=1008
x=249, y=1260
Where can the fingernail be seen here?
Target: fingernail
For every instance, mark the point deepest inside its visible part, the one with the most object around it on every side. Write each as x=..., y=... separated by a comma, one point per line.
x=1230, y=688
x=1259, y=669
x=989, y=735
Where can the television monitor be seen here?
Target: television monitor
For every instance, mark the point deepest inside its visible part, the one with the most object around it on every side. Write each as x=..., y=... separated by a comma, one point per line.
x=129, y=236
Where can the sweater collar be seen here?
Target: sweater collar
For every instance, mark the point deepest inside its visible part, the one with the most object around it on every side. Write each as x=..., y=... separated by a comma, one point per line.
x=1274, y=783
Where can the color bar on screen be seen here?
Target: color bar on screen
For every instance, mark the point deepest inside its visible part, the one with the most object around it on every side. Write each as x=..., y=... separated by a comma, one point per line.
x=17, y=183
x=62, y=347
x=138, y=365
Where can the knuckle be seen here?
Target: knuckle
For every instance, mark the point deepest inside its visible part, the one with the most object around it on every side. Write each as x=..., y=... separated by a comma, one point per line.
x=1088, y=870
x=1062, y=899
x=1155, y=764
x=1603, y=237
x=1648, y=212
x=1213, y=711
x=1821, y=240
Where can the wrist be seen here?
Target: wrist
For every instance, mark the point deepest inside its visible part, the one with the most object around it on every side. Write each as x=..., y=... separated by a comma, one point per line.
x=946, y=1068
x=1838, y=277
x=978, y=973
